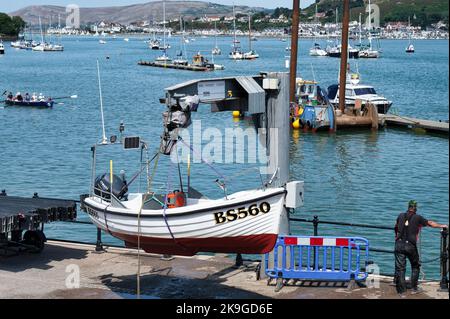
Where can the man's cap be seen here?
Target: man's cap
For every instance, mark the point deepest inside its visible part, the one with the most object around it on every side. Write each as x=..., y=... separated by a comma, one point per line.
x=412, y=203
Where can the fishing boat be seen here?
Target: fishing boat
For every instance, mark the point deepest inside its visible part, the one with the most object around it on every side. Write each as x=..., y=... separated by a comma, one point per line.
x=357, y=93
x=313, y=111
x=179, y=220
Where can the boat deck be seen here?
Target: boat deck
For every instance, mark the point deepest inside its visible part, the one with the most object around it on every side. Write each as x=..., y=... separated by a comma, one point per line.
x=439, y=127
x=112, y=274
x=175, y=66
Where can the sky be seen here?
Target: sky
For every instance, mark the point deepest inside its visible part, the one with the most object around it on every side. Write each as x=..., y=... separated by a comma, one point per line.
x=9, y=6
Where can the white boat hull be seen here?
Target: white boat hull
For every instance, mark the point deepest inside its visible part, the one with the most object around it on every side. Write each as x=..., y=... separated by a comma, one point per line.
x=246, y=222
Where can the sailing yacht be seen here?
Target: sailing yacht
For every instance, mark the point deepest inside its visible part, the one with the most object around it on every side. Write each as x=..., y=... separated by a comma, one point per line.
x=367, y=52
x=216, y=50
x=236, y=53
x=181, y=55
x=410, y=48
x=316, y=50
x=251, y=54
x=41, y=46
x=164, y=57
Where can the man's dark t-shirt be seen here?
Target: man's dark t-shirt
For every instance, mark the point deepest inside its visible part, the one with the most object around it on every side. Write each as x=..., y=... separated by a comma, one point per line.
x=409, y=231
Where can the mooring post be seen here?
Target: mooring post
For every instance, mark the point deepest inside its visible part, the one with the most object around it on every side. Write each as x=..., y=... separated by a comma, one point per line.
x=444, y=260
x=99, y=244
x=294, y=49
x=344, y=53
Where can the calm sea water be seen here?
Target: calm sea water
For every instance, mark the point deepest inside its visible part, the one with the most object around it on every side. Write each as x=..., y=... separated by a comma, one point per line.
x=361, y=177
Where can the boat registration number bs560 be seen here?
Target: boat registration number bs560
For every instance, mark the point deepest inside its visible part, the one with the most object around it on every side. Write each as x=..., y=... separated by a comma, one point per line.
x=241, y=212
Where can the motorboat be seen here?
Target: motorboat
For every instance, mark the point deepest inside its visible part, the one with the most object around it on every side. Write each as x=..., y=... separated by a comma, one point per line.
x=2, y=48
x=316, y=50
x=359, y=94
x=335, y=52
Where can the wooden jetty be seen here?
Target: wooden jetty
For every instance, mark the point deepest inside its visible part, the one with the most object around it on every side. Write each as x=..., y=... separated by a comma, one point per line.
x=188, y=67
x=439, y=127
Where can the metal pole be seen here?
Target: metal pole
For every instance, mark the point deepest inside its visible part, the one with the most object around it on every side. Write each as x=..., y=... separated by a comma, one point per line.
x=294, y=49
x=316, y=225
x=99, y=244
x=444, y=260
x=344, y=55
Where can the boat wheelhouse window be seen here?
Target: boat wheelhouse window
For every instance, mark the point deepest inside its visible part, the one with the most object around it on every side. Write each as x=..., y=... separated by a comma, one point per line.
x=349, y=92
x=363, y=91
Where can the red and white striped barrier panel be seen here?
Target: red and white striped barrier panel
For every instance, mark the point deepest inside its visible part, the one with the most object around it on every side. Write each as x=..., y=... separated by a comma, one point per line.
x=319, y=241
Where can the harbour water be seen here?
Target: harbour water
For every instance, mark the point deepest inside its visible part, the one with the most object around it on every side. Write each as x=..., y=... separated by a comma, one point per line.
x=359, y=176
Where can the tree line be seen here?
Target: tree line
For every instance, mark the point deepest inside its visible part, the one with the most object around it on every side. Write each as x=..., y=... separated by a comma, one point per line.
x=10, y=26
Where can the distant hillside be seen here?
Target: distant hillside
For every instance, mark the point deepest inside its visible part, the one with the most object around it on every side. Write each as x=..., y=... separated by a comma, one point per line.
x=139, y=12
x=426, y=11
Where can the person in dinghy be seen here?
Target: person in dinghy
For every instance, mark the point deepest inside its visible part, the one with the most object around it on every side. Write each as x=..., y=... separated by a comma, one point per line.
x=178, y=220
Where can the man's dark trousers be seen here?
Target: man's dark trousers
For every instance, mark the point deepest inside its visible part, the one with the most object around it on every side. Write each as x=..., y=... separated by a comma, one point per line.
x=405, y=250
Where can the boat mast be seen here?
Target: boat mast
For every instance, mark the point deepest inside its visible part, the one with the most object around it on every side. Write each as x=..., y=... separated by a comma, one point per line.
x=164, y=26
x=370, y=26
x=104, y=140
x=234, y=30
x=315, y=27
x=215, y=33
x=40, y=28
x=250, y=32
x=360, y=31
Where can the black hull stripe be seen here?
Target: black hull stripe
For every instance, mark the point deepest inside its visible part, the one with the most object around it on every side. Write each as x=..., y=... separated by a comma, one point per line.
x=185, y=213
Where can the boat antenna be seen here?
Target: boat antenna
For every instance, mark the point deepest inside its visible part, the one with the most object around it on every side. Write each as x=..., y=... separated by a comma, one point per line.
x=104, y=140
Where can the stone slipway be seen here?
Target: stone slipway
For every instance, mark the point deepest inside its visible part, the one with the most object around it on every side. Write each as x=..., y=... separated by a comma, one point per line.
x=112, y=274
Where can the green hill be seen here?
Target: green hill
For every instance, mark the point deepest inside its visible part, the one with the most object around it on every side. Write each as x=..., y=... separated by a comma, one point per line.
x=426, y=12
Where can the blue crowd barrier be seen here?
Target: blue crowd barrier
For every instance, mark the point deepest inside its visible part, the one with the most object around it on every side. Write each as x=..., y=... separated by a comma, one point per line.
x=319, y=258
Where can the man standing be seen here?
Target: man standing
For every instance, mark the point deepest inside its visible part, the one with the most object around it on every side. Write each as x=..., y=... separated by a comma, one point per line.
x=407, y=231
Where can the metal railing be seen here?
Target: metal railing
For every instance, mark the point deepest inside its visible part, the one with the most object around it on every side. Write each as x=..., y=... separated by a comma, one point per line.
x=443, y=258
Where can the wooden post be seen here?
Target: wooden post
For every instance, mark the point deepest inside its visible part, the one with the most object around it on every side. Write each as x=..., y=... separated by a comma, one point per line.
x=344, y=55
x=294, y=49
